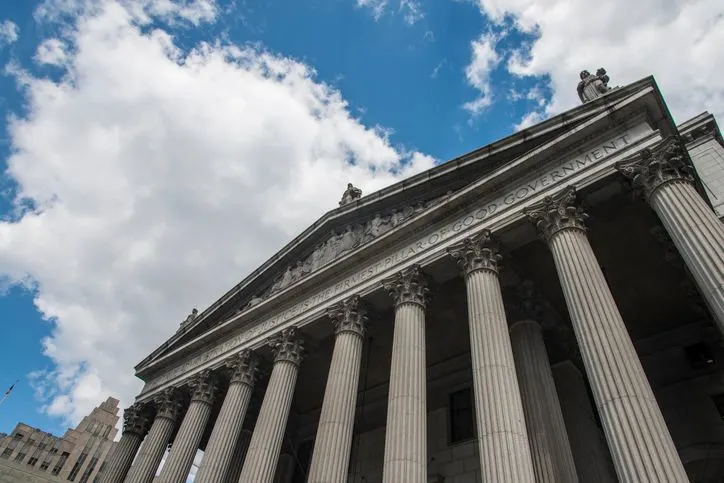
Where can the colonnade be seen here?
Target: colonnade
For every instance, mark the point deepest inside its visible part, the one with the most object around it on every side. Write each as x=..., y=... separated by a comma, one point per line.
x=521, y=428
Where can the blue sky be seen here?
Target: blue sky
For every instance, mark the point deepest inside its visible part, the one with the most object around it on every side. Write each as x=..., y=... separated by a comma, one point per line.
x=153, y=156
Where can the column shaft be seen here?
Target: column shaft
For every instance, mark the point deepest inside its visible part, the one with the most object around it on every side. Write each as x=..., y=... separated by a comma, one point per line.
x=698, y=235
x=237, y=459
x=405, y=457
x=220, y=448
x=120, y=461
x=266, y=441
x=550, y=448
x=152, y=451
x=503, y=442
x=640, y=443
x=592, y=459
x=333, y=442
x=181, y=458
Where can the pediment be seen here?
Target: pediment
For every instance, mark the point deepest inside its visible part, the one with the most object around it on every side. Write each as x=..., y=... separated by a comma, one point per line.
x=359, y=222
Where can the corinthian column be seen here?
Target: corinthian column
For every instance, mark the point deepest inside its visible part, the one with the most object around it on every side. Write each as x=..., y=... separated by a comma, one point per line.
x=168, y=409
x=135, y=426
x=242, y=443
x=665, y=174
x=179, y=461
x=266, y=442
x=504, y=450
x=640, y=443
x=220, y=448
x=405, y=459
x=333, y=444
x=552, y=457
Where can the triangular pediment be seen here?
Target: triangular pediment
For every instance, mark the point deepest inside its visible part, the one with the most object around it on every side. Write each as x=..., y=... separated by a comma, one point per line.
x=355, y=225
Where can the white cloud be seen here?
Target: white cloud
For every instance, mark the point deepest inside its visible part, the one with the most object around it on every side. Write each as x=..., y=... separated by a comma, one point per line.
x=160, y=178
x=51, y=52
x=411, y=10
x=484, y=60
x=679, y=42
x=8, y=33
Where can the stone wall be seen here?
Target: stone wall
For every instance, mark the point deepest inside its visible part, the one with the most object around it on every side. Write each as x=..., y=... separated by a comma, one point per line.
x=12, y=472
x=708, y=158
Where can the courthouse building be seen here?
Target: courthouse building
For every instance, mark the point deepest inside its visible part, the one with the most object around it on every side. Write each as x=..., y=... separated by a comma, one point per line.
x=32, y=455
x=547, y=308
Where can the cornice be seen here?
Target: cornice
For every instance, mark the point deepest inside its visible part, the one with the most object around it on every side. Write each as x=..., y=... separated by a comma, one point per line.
x=596, y=112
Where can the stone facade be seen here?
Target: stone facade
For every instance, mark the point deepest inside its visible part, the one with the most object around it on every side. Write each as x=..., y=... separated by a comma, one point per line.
x=32, y=455
x=548, y=308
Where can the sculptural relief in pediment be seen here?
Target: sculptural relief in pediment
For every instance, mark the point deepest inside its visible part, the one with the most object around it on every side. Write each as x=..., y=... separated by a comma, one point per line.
x=340, y=242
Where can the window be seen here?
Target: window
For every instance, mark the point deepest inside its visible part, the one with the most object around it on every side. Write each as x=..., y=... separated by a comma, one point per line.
x=20, y=456
x=462, y=421
x=44, y=465
x=699, y=355
x=18, y=436
x=88, y=470
x=32, y=461
x=53, y=450
x=61, y=462
x=31, y=441
x=76, y=466
x=42, y=445
x=7, y=452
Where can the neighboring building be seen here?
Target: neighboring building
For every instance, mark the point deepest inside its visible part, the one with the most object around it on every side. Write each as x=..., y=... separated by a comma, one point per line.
x=547, y=308
x=32, y=455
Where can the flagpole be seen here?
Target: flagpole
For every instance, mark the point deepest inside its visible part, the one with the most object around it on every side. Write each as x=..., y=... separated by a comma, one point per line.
x=7, y=393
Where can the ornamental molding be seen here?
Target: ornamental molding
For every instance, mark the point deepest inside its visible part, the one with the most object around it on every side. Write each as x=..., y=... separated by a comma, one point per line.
x=478, y=252
x=409, y=286
x=585, y=158
x=651, y=169
x=340, y=242
x=136, y=420
x=169, y=404
x=287, y=346
x=204, y=387
x=244, y=368
x=349, y=315
x=557, y=213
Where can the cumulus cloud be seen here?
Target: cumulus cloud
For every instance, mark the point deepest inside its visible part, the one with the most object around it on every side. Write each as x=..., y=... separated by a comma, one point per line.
x=151, y=179
x=484, y=59
x=678, y=42
x=8, y=33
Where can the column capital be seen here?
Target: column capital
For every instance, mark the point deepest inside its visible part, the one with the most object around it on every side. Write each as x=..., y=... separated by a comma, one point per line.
x=204, y=387
x=287, y=345
x=478, y=252
x=652, y=168
x=136, y=420
x=349, y=315
x=244, y=367
x=409, y=286
x=168, y=404
x=556, y=213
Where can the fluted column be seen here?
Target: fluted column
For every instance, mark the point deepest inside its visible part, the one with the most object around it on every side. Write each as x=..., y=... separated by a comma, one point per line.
x=224, y=436
x=333, y=443
x=640, y=443
x=178, y=464
x=589, y=450
x=266, y=441
x=504, y=450
x=665, y=174
x=237, y=459
x=135, y=426
x=405, y=458
x=551, y=451
x=168, y=409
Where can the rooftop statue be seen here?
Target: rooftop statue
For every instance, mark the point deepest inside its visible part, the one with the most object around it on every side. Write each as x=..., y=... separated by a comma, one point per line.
x=350, y=194
x=192, y=316
x=593, y=86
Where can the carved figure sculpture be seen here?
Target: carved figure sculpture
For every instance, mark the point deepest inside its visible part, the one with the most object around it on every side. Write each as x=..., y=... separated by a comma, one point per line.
x=593, y=86
x=350, y=194
x=191, y=317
